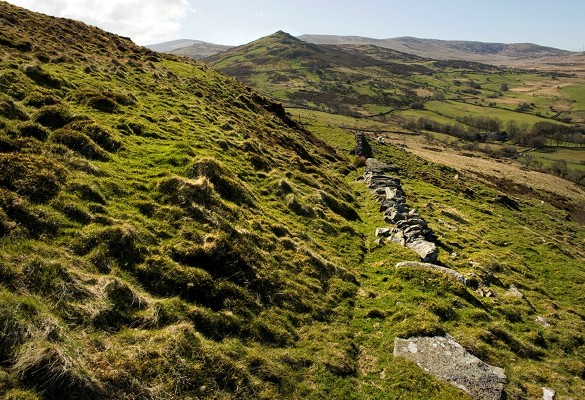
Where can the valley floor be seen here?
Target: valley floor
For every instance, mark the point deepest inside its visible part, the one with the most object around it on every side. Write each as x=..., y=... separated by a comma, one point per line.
x=486, y=168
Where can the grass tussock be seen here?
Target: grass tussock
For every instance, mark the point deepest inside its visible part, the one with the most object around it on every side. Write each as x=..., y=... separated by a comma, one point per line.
x=122, y=243
x=102, y=136
x=182, y=191
x=12, y=111
x=36, y=177
x=223, y=180
x=53, y=116
x=79, y=143
x=13, y=85
x=56, y=371
x=33, y=130
x=41, y=77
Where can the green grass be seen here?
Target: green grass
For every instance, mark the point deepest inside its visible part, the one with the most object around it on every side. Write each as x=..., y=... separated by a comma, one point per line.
x=500, y=246
x=503, y=247
x=574, y=156
x=354, y=83
x=455, y=109
x=169, y=218
x=576, y=94
x=181, y=237
x=428, y=113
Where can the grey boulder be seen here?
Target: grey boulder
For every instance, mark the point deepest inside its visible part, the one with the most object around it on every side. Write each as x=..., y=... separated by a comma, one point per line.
x=447, y=360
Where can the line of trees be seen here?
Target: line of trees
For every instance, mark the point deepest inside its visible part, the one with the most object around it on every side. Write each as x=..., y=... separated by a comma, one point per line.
x=469, y=128
x=544, y=132
x=482, y=128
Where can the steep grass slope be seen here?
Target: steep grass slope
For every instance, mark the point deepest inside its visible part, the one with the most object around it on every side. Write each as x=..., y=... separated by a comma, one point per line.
x=167, y=233
x=154, y=226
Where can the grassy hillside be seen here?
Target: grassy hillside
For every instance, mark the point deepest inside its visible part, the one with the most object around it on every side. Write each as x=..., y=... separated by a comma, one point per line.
x=168, y=233
x=164, y=231
x=458, y=101
x=327, y=78
x=370, y=81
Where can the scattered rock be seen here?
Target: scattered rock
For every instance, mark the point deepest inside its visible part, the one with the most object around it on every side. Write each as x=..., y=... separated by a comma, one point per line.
x=506, y=202
x=393, y=216
x=548, y=394
x=398, y=240
x=484, y=291
x=380, y=242
x=383, y=232
x=513, y=291
x=376, y=313
x=392, y=193
x=544, y=322
x=375, y=165
x=447, y=360
x=472, y=281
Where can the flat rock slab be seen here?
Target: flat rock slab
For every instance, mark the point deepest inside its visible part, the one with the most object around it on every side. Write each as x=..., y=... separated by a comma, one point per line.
x=373, y=164
x=427, y=251
x=433, y=267
x=447, y=360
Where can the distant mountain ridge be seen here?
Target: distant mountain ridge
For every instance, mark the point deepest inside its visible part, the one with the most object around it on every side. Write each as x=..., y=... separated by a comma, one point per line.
x=492, y=53
x=347, y=79
x=196, y=49
x=526, y=55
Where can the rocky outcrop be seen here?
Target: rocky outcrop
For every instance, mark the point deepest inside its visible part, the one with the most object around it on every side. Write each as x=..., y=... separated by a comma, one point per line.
x=442, y=357
x=427, y=251
x=362, y=147
x=513, y=291
x=447, y=360
x=506, y=202
x=373, y=164
x=409, y=228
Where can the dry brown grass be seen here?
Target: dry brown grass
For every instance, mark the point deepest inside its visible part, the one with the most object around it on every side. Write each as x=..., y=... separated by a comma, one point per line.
x=484, y=168
x=545, y=89
x=420, y=92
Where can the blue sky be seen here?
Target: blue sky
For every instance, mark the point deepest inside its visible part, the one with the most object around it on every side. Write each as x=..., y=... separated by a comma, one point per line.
x=558, y=24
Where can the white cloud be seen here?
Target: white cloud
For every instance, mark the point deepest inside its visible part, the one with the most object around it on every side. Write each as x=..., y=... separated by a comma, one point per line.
x=145, y=21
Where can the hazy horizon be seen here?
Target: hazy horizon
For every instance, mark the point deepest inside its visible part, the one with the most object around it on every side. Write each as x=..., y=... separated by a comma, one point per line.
x=230, y=22
x=354, y=36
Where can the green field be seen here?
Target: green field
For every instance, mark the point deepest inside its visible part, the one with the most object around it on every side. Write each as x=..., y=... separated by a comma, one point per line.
x=575, y=157
x=457, y=109
x=577, y=95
